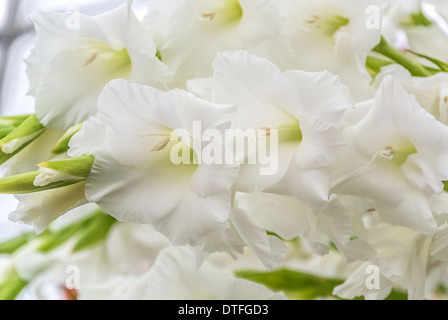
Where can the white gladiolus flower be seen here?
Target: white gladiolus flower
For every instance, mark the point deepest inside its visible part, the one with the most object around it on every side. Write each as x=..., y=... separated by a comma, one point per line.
x=305, y=108
x=244, y=231
x=68, y=68
x=407, y=25
x=42, y=208
x=221, y=149
x=129, y=250
x=397, y=157
x=335, y=35
x=291, y=218
x=431, y=92
x=404, y=257
x=189, y=33
x=133, y=176
x=176, y=275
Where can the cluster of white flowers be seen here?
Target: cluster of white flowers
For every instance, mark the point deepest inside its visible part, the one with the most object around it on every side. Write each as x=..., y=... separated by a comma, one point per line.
x=260, y=130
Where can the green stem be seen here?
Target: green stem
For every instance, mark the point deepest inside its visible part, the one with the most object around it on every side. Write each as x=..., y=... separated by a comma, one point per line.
x=415, y=68
x=12, y=245
x=374, y=65
x=442, y=65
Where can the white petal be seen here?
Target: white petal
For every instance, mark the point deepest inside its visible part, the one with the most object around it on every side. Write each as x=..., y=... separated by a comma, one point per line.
x=69, y=67
x=133, y=248
x=89, y=139
x=201, y=87
x=209, y=180
x=52, y=37
x=377, y=180
x=285, y=216
x=311, y=187
x=188, y=43
x=40, y=209
x=271, y=252
x=134, y=131
x=195, y=217
x=159, y=195
x=254, y=88
x=319, y=95
x=176, y=275
x=251, y=179
x=245, y=232
x=130, y=126
x=62, y=100
x=134, y=195
x=191, y=108
x=355, y=286
x=338, y=226
x=414, y=212
x=321, y=144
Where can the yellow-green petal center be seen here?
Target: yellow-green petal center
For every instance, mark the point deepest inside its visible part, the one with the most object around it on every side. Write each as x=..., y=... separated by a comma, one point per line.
x=223, y=12
x=399, y=153
x=115, y=63
x=328, y=25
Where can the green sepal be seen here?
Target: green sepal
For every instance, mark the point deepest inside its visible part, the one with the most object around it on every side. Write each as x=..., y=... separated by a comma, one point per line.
x=8, y=124
x=77, y=167
x=24, y=183
x=62, y=144
x=30, y=129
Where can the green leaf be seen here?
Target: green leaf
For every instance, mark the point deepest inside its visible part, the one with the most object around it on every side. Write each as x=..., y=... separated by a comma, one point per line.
x=11, y=285
x=24, y=183
x=415, y=68
x=88, y=231
x=95, y=232
x=14, y=244
x=20, y=137
x=299, y=285
x=78, y=167
x=296, y=285
x=62, y=145
x=50, y=240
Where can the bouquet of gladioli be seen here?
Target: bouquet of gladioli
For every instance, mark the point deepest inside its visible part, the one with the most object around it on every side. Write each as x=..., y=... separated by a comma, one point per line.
x=233, y=149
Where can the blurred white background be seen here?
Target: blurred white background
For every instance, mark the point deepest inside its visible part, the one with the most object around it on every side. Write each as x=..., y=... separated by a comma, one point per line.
x=16, y=40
